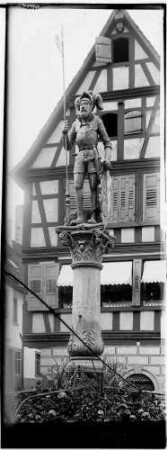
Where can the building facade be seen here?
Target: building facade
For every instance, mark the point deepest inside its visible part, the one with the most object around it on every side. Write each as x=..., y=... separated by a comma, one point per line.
x=21, y=363
x=125, y=69
x=14, y=300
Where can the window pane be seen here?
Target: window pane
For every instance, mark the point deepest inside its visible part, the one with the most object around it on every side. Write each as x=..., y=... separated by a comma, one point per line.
x=132, y=122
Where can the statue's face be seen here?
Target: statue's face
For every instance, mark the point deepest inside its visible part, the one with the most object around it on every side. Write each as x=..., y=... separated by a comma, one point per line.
x=85, y=108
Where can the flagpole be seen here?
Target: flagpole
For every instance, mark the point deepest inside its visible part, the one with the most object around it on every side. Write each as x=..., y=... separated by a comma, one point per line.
x=60, y=45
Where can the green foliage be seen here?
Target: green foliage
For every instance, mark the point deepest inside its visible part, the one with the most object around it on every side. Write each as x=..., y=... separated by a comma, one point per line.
x=89, y=397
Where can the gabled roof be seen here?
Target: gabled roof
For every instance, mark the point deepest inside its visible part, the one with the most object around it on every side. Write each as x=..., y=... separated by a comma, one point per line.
x=57, y=113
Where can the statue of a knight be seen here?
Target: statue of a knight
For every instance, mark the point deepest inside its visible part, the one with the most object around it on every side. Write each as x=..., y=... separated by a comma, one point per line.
x=85, y=132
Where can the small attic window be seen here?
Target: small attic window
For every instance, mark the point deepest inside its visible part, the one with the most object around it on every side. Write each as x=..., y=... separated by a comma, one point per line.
x=120, y=50
x=110, y=122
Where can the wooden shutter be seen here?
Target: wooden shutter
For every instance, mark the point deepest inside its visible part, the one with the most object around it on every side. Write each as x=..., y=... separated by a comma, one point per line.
x=86, y=196
x=42, y=279
x=114, y=199
x=103, y=49
x=35, y=282
x=122, y=199
x=50, y=284
x=151, y=197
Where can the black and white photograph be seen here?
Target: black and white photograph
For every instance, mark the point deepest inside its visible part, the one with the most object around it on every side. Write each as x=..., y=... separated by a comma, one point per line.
x=83, y=225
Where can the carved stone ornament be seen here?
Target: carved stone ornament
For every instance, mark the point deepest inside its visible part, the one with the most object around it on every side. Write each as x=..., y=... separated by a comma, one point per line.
x=86, y=242
x=90, y=333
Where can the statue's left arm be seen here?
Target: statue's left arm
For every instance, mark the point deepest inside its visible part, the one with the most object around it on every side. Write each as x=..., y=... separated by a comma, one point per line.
x=105, y=139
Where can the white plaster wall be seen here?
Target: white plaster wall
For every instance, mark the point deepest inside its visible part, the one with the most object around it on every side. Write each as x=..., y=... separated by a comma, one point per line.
x=38, y=325
x=126, y=321
x=29, y=362
x=147, y=320
x=68, y=319
x=106, y=321
x=13, y=331
x=127, y=235
x=148, y=234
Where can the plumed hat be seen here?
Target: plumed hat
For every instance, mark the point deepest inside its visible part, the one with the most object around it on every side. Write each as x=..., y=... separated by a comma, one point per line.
x=94, y=99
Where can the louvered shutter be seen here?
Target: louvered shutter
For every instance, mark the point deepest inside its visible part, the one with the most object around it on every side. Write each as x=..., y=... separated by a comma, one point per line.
x=86, y=196
x=122, y=199
x=151, y=197
x=50, y=284
x=114, y=200
x=35, y=282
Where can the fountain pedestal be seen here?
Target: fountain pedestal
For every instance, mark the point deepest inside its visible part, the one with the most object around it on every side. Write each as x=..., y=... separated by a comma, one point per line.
x=87, y=244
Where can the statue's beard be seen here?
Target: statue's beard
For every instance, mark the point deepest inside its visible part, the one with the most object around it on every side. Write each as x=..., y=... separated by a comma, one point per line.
x=84, y=114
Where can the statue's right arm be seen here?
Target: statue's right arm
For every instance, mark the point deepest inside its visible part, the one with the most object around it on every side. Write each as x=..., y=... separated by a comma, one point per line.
x=69, y=136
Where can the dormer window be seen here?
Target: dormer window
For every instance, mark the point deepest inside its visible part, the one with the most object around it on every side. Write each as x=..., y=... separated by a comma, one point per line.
x=133, y=122
x=120, y=50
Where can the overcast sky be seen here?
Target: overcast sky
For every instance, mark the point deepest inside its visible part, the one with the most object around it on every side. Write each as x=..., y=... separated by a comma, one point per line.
x=35, y=68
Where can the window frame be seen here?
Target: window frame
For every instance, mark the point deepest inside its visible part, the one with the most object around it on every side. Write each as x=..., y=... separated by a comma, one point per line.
x=37, y=364
x=17, y=362
x=116, y=38
x=15, y=311
x=140, y=115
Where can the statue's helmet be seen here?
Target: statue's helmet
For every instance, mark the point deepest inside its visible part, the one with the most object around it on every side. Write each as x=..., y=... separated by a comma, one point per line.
x=94, y=100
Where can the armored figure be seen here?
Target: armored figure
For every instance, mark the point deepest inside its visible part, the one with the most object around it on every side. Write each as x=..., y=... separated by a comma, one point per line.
x=85, y=131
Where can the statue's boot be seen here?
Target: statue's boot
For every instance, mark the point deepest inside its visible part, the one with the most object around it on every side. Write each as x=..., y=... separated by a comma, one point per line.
x=94, y=206
x=80, y=216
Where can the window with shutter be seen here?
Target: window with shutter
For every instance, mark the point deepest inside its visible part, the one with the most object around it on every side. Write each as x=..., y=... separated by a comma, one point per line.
x=35, y=283
x=42, y=279
x=151, y=197
x=122, y=199
x=50, y=277
x=35, y=278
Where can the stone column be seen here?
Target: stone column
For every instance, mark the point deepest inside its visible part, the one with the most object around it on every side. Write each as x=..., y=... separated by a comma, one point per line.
x=87, y=244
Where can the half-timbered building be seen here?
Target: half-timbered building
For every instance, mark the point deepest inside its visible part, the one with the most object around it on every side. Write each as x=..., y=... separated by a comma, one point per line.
x=125, y=68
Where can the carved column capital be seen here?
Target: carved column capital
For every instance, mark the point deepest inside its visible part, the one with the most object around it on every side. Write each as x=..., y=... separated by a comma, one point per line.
x=87, y=243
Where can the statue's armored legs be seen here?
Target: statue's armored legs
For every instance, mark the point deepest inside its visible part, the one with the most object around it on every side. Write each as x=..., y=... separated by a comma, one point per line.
x=78, y=185
x=93, y=189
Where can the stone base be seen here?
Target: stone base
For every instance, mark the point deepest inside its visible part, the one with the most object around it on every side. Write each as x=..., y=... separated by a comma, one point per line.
x=88, y=364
